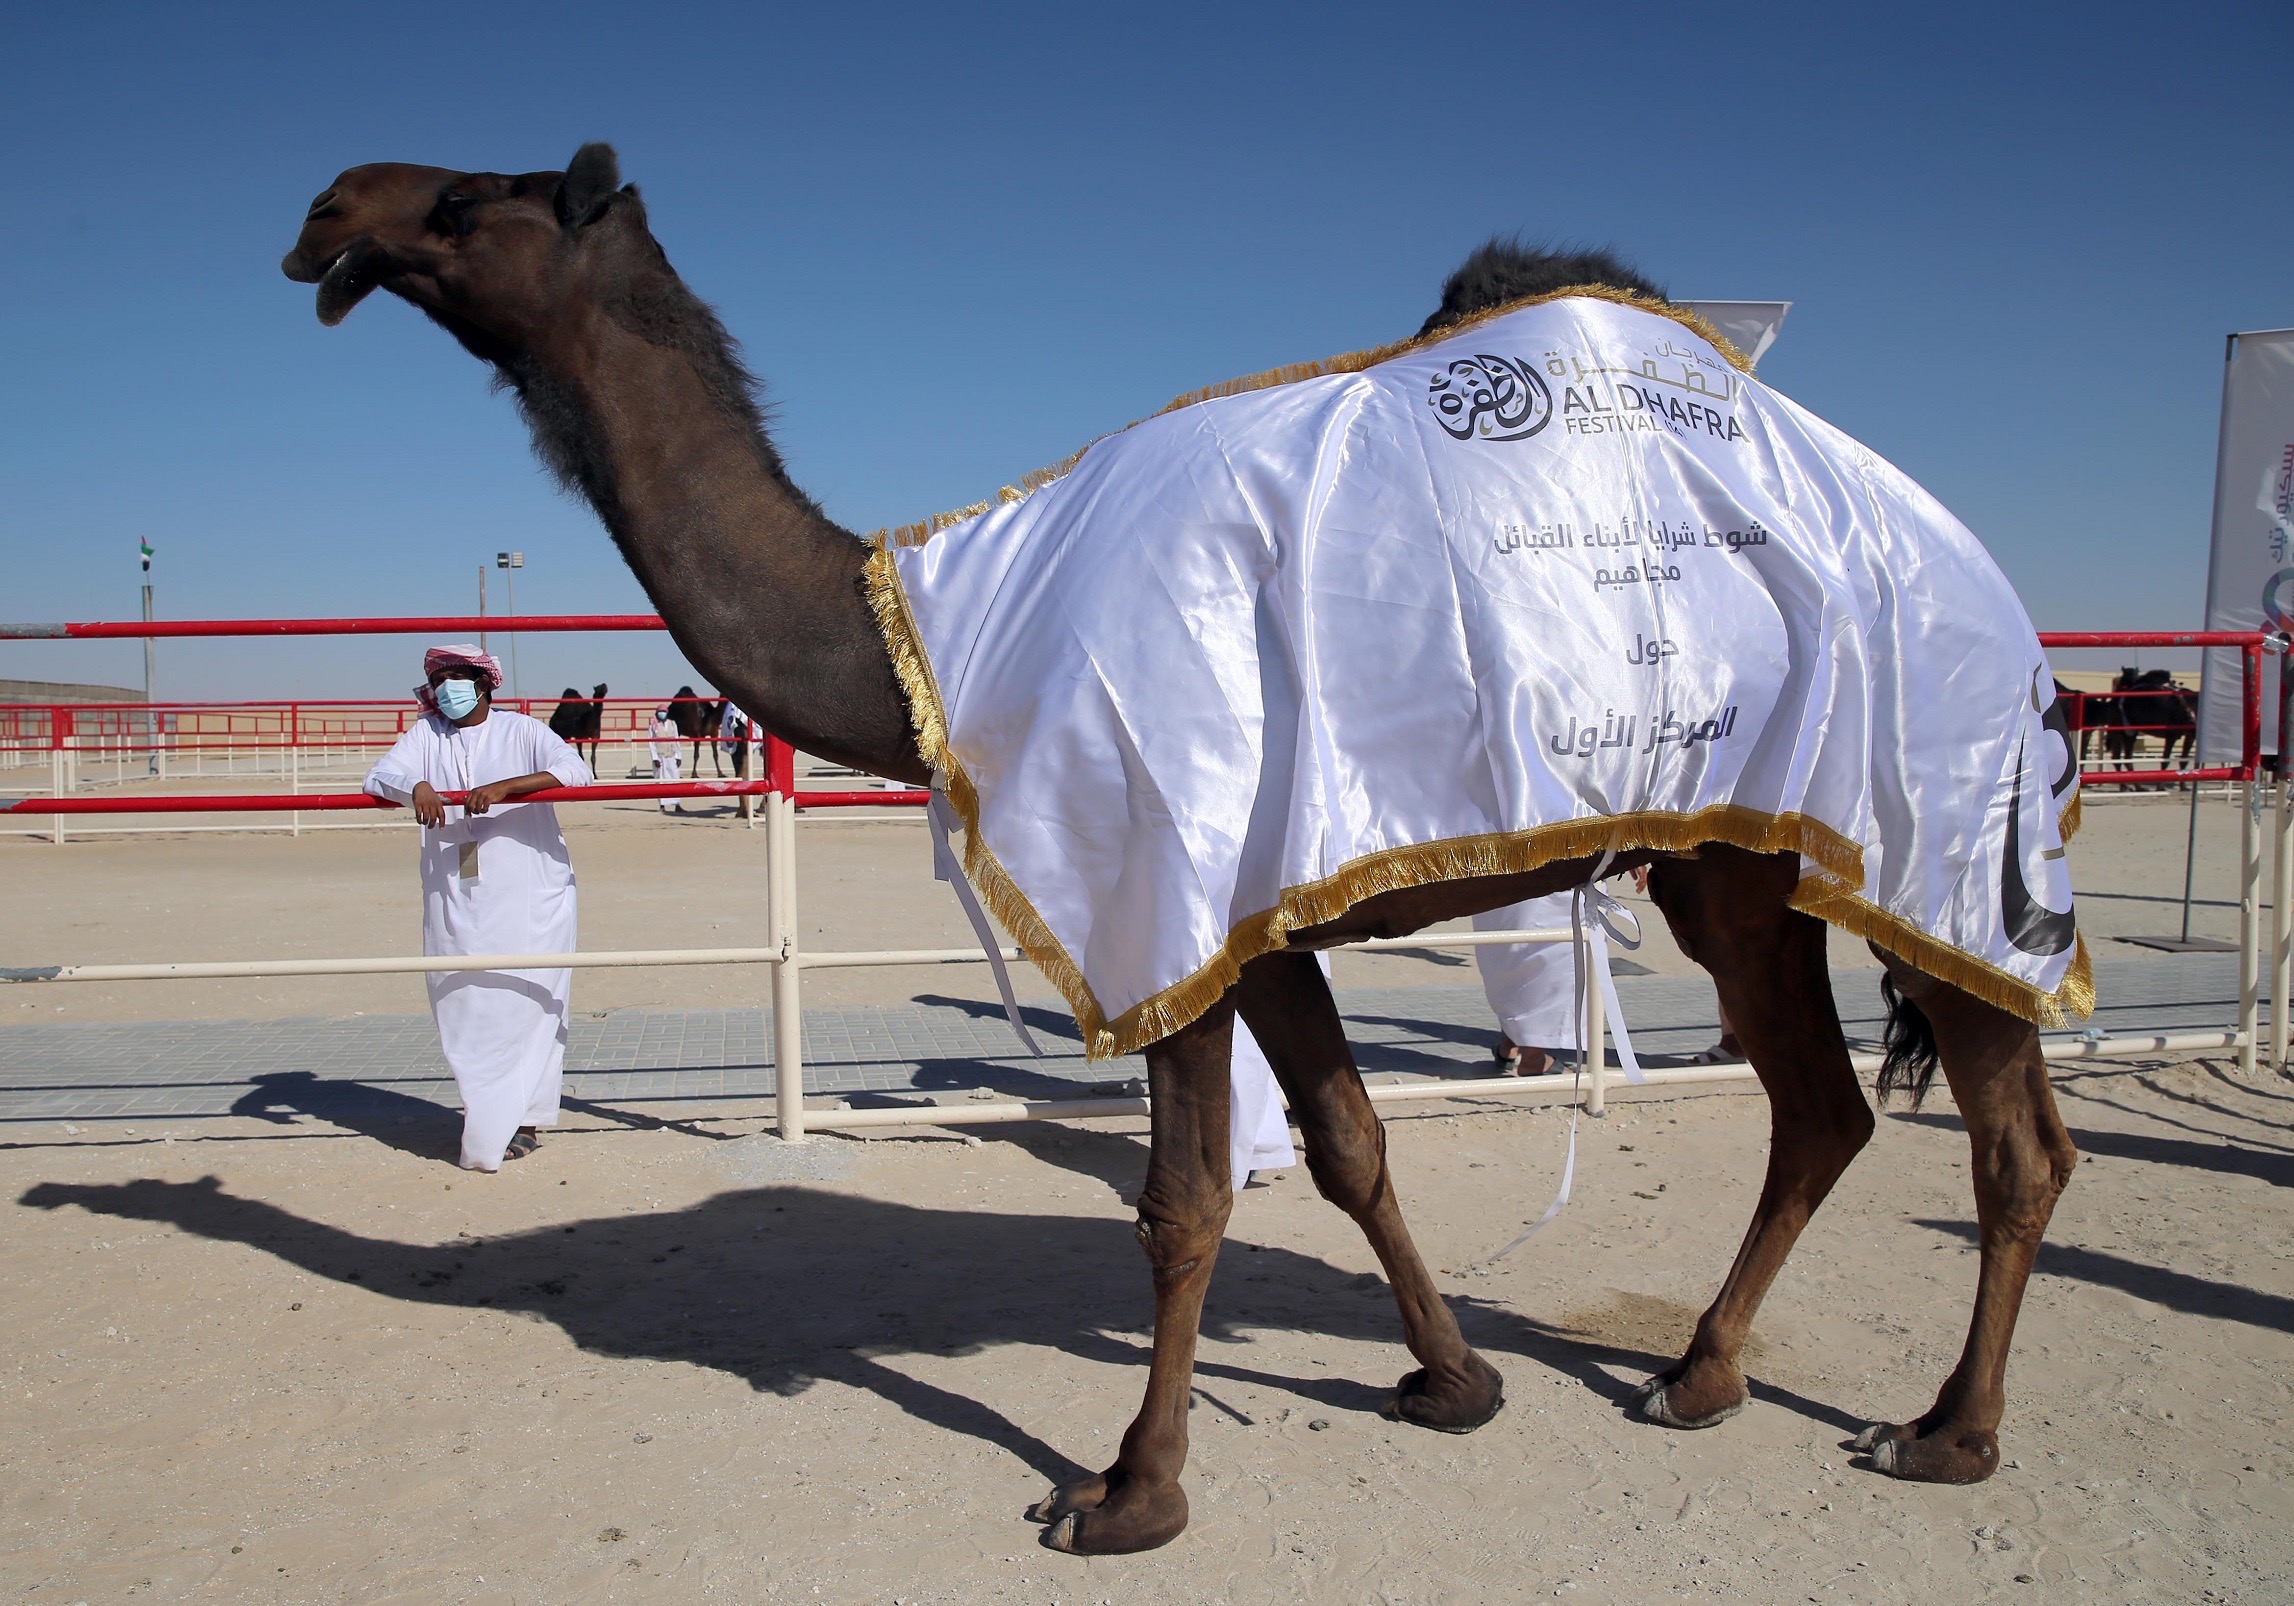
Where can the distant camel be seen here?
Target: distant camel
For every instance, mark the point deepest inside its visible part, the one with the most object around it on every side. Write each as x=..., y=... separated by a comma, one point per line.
x=712, y=722
x=2089, y=714
x=637, y=398
x=696, y=718
x=576, y=720
x=2151, y=704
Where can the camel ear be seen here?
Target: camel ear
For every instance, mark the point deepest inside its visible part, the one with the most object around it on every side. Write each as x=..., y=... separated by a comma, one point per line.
x=591, y=178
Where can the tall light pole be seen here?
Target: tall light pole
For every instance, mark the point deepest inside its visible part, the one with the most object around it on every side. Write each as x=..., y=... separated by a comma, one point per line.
x=151, y=719
x=510, y=563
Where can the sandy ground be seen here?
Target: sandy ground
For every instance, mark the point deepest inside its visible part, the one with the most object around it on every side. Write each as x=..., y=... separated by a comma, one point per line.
x=685, y=1363
x=649, y=881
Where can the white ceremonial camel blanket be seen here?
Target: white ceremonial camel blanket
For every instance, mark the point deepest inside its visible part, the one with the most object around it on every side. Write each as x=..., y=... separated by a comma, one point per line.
x=1562, y=579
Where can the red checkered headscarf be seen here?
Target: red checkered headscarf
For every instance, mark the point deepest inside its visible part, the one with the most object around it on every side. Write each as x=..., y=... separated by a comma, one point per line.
x=456, y=655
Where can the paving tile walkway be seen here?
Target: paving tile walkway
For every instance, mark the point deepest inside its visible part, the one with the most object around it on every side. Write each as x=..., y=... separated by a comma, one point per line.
x=366, y=1068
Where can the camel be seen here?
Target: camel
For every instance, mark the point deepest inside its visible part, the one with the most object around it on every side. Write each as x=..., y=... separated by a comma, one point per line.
x=639, y=401
x=2151, y=704
x=577, y=719
x=2086, y=715
x=696, y=719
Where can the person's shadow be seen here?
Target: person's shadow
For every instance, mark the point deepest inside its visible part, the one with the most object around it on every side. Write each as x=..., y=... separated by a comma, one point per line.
x=784, y=1287
x=401, y=1121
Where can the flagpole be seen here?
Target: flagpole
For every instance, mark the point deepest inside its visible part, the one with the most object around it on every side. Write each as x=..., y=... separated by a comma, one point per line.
x=510, y=563
x=151, y=717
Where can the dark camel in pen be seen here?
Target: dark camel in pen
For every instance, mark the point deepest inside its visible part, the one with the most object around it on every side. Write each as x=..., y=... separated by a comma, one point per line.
x=638, y=401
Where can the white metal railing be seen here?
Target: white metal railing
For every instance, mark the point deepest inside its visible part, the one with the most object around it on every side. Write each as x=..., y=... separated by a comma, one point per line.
x=785, y=956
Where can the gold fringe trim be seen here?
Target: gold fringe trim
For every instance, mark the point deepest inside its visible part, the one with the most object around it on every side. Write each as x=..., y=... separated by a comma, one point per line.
x=1422, y=864
x=2067, y=824
x=989, y=878
x=881, y=579
x=1836, y=905
x=1352, y=362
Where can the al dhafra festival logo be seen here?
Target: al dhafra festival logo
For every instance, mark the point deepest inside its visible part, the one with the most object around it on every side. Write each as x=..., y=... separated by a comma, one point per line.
x=1489, y=398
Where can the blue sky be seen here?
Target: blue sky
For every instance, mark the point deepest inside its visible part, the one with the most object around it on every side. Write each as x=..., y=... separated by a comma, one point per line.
x=959, y=243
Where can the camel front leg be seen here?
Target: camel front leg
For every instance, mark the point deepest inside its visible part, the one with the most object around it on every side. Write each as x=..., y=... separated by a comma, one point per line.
x=1137, y=1504
x=1286, y=1001
x=1768, y=962
x=2022, y=1159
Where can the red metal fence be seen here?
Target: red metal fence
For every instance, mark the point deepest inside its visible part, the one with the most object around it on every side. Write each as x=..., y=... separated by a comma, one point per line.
x=313, y=726
x=2108, y=728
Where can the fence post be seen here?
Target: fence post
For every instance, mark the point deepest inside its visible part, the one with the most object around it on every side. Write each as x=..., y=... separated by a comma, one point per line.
x=1595, y=1020
x=788, y=1009
x=59, y=719
x=2249, y=919
x=2281, y=916
x=2282, y=877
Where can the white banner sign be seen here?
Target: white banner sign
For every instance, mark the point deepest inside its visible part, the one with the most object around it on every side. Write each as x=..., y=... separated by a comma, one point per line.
x=2250, y=572
x=1751, y=326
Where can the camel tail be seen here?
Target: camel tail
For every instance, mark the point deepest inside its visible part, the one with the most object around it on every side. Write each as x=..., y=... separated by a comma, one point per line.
x=1909, y=1045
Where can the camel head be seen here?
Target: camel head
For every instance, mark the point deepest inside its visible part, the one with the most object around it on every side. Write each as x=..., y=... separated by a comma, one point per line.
x=499, y=259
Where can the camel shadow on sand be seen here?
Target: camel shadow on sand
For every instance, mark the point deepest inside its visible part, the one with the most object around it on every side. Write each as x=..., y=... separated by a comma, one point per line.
x=788, y=1286
x=401, y=1121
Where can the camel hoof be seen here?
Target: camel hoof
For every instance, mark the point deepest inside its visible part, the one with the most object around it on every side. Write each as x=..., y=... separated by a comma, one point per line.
x=1939, y=1457
x=1081, y=1495
x=1655, y=1402
x=1126, y=1523
x=1663, y=1398
x=1456, y=1408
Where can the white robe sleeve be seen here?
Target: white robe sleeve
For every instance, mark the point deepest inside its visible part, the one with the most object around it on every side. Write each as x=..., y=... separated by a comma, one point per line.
x=553, y=754
x=397, y=773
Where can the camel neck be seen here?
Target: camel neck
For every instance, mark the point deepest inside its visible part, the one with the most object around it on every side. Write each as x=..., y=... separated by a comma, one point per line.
x=761, y=591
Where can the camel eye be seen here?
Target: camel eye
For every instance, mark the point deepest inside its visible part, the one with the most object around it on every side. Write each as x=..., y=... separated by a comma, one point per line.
x=453, y=213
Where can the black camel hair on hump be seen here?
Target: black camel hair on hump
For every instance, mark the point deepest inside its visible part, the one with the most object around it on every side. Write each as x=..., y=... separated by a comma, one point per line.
x=1502, y=270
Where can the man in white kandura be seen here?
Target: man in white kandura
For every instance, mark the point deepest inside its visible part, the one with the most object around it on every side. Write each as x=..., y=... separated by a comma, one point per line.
x=1531, y=987
x=496, y=879
x=1258, y=1128
x=734, y=729
x=661, y=740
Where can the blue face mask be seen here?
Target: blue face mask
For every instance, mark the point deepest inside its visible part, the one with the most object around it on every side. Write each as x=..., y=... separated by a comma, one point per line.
x=457, y=699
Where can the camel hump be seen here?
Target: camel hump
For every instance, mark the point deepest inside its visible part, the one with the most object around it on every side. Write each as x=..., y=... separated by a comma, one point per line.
x=1502, y=270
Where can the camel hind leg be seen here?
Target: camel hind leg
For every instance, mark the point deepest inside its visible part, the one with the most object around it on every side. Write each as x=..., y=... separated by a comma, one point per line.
x=2022, y=1157
x=1727, y=910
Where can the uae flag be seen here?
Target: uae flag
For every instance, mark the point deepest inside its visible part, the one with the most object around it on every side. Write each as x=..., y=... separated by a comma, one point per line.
x=145, y=547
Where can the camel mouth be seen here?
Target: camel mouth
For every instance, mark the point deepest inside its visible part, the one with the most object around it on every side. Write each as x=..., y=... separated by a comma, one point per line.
x=354, y=274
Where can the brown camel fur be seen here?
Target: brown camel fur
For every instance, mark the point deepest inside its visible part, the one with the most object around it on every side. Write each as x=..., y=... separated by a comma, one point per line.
x=637, y=399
